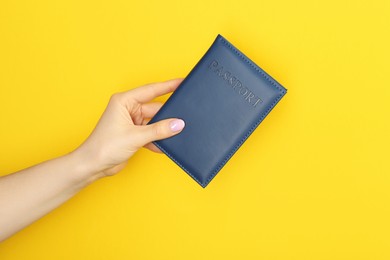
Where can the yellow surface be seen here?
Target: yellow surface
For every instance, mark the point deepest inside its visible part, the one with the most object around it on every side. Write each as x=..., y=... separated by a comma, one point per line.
x=312, y=182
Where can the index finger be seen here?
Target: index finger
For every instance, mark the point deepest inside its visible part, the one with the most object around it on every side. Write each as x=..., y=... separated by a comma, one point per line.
x=150, y=91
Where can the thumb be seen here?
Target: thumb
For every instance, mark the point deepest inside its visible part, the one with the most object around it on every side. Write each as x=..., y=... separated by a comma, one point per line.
x=161, y=130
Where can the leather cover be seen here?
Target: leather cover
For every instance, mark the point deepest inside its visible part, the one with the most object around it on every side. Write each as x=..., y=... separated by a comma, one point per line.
x=222, y=101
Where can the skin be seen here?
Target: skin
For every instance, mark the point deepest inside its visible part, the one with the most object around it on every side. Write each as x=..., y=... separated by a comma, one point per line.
x=31, y=193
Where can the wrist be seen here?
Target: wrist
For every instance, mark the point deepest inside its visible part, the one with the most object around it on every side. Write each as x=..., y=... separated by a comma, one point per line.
x=84, y=167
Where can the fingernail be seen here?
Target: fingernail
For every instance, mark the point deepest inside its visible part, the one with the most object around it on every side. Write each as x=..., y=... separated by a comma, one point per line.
x=176, y=125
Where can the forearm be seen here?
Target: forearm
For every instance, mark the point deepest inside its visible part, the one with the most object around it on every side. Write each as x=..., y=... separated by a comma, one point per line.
x=29, y=194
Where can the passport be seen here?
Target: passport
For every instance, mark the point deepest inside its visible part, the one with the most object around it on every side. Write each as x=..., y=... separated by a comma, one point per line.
x=222, y=101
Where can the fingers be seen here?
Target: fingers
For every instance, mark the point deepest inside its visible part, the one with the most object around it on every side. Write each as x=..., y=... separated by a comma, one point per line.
x=150, y=91
x=152, y=147
x=160, y=130
x=150, y=109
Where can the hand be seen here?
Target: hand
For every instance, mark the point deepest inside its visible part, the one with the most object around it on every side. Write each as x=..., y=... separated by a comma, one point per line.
x=31, y=193
x=122, y=129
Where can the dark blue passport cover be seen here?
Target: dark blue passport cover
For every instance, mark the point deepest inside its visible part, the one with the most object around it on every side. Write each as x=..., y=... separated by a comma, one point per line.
x=222, y=101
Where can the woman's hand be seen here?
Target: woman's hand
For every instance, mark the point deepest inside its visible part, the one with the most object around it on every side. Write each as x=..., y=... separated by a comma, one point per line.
x=29, y=194
x=122, y=129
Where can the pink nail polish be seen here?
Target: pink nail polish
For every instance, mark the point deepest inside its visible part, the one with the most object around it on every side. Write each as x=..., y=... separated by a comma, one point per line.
x=176, y=125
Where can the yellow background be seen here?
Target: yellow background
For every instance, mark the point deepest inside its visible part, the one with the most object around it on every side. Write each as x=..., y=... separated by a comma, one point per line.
x=312, y=182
